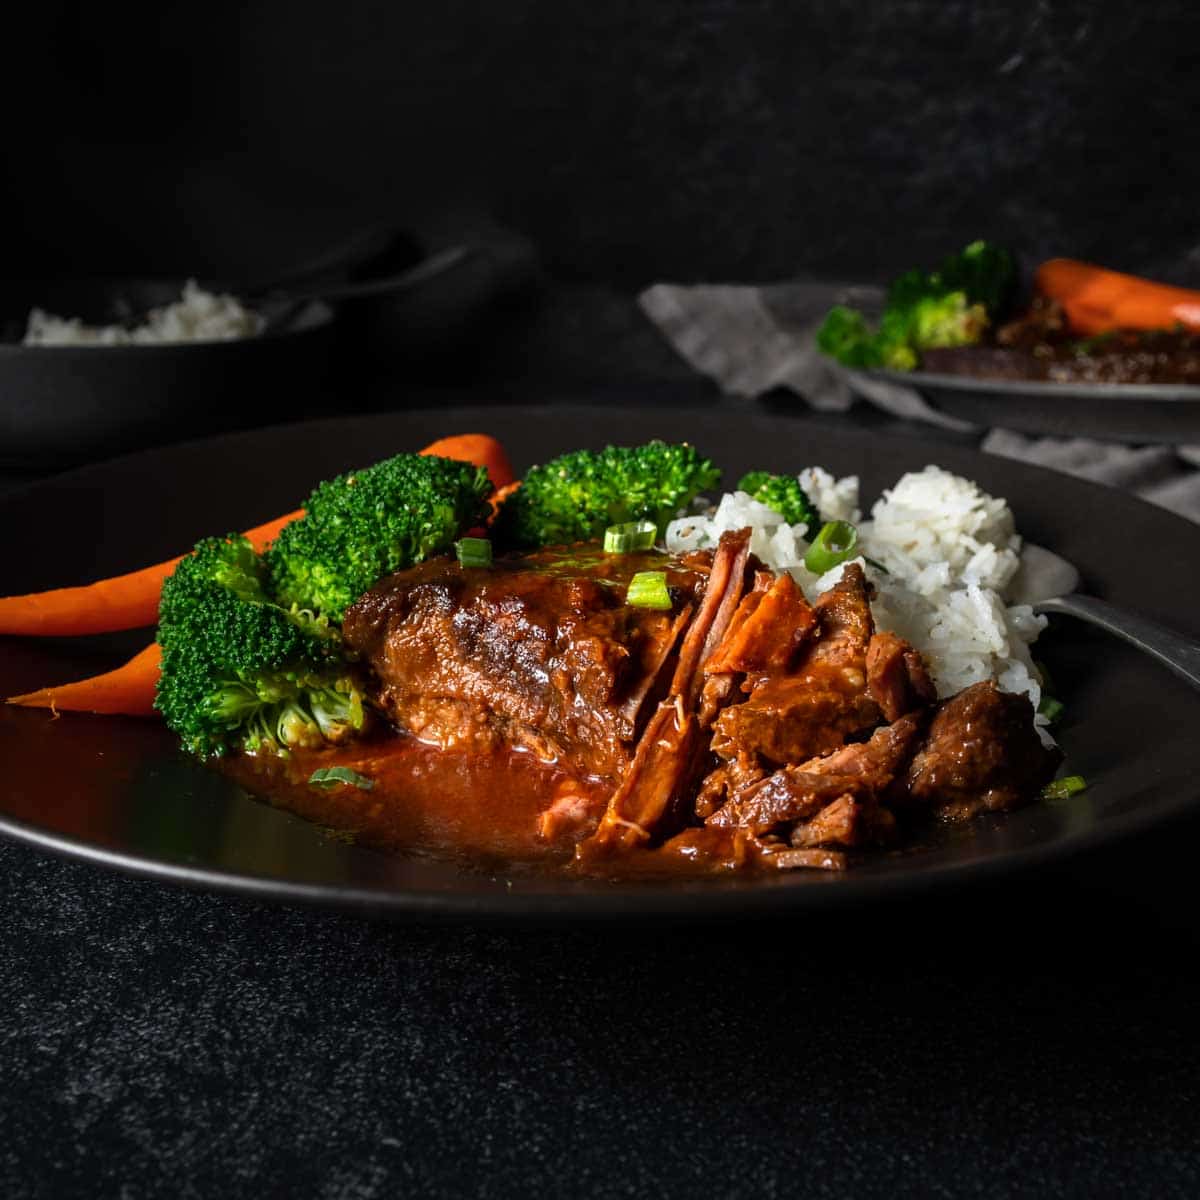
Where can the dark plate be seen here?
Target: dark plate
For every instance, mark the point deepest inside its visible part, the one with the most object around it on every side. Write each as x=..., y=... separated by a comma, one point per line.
x=1125, y=412
x=116, y=791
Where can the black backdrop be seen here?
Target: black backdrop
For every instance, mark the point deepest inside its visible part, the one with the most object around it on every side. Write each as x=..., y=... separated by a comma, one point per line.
x=163, y=1043
x=680, y=139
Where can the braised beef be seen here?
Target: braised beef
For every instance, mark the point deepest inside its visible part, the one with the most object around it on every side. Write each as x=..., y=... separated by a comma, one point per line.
x=538, y=652
x=1039, y=345
x=982, y=753
x=653, y=798
x=863, y=770
x=897, y=679
x=742, y=724
x=793, y=715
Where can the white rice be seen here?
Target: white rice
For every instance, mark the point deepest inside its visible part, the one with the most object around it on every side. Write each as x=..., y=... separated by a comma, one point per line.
x=950, y=552
x=197, y=316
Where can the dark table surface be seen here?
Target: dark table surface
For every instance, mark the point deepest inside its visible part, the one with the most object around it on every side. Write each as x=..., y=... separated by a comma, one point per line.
x=1033, y=1038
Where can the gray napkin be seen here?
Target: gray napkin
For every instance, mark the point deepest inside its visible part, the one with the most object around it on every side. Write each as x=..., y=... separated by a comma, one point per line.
x=750, y=340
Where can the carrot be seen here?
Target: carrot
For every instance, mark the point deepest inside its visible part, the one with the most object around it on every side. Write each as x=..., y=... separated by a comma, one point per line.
x=478, y=448
x=131, y=601
x=129, y=690
x=1097, y=300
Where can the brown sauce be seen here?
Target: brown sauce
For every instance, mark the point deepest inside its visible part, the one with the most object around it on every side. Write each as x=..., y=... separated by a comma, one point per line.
x=424, y=800
x=480, y=810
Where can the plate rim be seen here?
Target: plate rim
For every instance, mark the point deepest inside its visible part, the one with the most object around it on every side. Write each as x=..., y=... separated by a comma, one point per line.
x=1171, y=393
x=678, y=898
x=706, y=896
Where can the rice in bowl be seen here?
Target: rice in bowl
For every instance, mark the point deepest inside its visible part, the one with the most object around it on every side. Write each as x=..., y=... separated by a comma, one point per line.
x=197, y=316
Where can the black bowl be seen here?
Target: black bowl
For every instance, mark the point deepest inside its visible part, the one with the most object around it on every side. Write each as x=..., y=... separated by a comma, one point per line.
x=62, y=405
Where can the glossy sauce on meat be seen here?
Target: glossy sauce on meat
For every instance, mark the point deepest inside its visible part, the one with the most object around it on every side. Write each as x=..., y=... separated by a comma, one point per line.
x=539, y=719
x=483, y=808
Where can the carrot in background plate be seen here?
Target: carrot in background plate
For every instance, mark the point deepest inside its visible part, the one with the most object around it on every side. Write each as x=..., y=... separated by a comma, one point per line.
x=130, y=601
x=1097, y=300
x=128, y=690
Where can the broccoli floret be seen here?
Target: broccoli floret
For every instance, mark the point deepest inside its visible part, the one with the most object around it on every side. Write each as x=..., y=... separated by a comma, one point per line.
x=366, y=524
x=846, y=336
x=948, y=320
x=577, y=496
x=240, y=672
x=985, y=273
x=782, y=493
x=951, y=306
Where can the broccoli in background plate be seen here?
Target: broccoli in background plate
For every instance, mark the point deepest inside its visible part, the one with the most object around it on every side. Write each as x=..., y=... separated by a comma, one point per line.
x=951, y=306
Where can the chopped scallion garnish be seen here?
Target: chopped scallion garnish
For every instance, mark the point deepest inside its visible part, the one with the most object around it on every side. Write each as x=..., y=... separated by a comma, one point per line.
x=328, y=776
x=648, y=589
x=473, y=552
x=833, y=545
x=629, y=537
x=1063, y=789
x=1051, y=709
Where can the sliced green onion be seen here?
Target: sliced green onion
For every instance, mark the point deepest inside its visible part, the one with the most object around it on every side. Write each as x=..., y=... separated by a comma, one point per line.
x=648, y=589
x=1063, y=789
x=473, y=552
x=328, y=776
x=1051, y=709
x=833, y=545
x=877, y=565
x=630, y=537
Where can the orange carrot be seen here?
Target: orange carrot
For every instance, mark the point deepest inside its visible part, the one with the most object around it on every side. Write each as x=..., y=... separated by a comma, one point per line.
x=1097, y=300
x=478, y=448
x=131, y=601
x=122, y=602
x=128, y=689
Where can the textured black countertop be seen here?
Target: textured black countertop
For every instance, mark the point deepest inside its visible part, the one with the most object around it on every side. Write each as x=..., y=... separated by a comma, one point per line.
x=1036, y=1038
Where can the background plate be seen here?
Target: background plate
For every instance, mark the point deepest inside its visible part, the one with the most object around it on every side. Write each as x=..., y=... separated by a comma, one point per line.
x=1124, y=412
x=116, y=790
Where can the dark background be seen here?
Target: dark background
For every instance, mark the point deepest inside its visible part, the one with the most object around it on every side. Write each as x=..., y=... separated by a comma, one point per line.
x=1037, y=1039
x=683, y=140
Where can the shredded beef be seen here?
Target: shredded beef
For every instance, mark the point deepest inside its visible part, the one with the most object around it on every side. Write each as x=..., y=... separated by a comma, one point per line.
x=743, y=724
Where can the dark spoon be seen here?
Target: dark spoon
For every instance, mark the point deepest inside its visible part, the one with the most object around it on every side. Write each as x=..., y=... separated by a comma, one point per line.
x=1048, y=582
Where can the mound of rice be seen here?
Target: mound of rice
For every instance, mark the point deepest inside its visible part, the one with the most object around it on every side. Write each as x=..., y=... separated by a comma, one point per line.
x=197, y=316
x=950, y=552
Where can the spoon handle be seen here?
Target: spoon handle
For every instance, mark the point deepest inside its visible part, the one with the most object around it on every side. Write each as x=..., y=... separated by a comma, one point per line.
x=1181, y=654
x=423, y=271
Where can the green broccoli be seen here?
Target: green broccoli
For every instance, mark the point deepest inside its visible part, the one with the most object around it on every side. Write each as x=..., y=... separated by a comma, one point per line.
x=985, y=273
x=951, y=306
x=577, y=496
x=846, y=336
x=784, y=494
x=366, y=524
x=240, y=672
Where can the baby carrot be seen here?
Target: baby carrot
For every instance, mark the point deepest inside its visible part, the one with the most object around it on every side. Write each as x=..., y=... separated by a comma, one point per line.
x=1097, y=300
x=130, y=601
x=128, y=690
